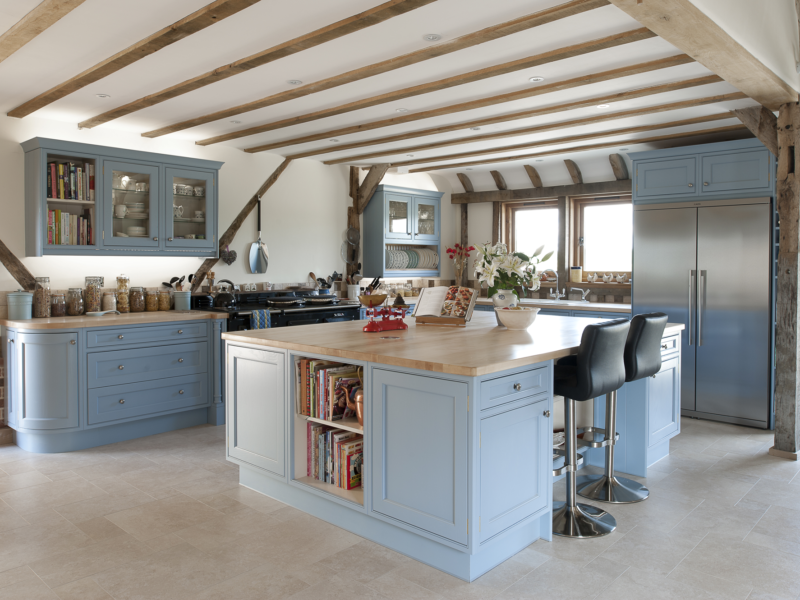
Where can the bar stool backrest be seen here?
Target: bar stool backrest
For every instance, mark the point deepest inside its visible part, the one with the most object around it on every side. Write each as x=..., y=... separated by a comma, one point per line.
x=643, y=347
x=600, y=368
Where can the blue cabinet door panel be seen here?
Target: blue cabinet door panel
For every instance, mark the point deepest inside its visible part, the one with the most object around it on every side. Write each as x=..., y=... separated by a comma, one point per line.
x=179, y=229
x=398, y=206
x=667, y=178
x=419, y=443
x=664, y=401
x=513, y=445
x=152, y=198
x=736, y=171
x=144, y=364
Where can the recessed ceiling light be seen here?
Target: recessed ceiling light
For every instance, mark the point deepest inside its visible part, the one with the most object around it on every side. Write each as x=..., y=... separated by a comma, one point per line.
x=235, y=122
x=431, y=37
x=103, y=95
x=468, y=169
x=411, y=155
x=536, y=79
x=539, y=160
x=333, y=140
x=402, y=110
x=294, y=82
x=475, y=128
x=603, y=106
x=623, y=149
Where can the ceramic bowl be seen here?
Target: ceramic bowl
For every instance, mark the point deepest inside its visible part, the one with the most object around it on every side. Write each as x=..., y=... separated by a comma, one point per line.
x=517, y=318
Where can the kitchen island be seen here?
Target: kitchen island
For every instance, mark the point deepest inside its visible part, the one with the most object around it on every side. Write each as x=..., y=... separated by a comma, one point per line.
x=457, y=432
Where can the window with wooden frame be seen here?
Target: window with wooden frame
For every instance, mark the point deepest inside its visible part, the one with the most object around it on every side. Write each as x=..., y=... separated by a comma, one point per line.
x=602, y=235
x=528, y=225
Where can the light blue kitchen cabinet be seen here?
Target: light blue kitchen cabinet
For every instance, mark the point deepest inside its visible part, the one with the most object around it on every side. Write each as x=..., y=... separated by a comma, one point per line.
x=736, y=171
x=142, y=181
x=512, y=445
x=419, y=441
x=663, y=393
x=676, y=177
x=10, y=382
x=399, y=218
x=255, y=408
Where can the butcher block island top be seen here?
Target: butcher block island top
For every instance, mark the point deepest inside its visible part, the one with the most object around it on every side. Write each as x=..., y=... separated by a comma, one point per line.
x=478, y=349
x=143, y=318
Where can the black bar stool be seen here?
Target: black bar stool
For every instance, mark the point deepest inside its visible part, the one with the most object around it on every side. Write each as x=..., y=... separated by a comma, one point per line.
x=597, y=369
x=642, y=359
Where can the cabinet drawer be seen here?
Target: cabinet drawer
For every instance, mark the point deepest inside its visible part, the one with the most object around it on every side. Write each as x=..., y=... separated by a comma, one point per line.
x=138, y=400
x=669, y=345
x=145, y=364
x=512, y=387
x=172, y=332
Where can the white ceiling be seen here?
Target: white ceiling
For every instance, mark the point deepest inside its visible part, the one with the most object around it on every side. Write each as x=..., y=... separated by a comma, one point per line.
x=100, y=28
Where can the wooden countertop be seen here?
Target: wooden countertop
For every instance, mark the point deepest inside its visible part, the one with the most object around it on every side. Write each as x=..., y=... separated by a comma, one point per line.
x=569, y=305
x=478, y=349
x=167, y=316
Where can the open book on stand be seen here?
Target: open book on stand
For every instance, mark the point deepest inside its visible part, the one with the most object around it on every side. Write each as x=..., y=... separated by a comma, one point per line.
x=445, y=306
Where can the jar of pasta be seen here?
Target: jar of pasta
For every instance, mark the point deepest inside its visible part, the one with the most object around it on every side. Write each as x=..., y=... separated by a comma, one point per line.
x=41, y=298
x=164, y=300
x=92, y=295
x=151, y=301
x=75, y=302
x=123, y=291
x=58, y=305
x=137, y=299
x=110, y=301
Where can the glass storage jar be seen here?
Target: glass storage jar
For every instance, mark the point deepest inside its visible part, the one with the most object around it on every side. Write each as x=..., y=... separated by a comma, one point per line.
x=151, y=301
x=137, y=299
x=92, y=296
x=164, y=300
x=123, y=289
x=41, y=298
x=75, y=302
x=109, y=301
x=58, y=305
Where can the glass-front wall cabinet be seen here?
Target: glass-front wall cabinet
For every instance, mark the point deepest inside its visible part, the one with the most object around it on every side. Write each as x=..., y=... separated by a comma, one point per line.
x=427, y=219
x=133, y=218
x=188, y=220
x=399, y=217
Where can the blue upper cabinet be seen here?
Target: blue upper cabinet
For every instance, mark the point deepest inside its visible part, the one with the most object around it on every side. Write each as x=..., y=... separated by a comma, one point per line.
x=82, y=199
x=402, y=233
x=727, y=170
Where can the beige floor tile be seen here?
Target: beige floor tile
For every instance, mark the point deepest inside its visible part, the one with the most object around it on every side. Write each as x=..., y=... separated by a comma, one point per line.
x=17, y=575
x=28, y=544
x=100, y=528
x=531, y=557
x=651, y=549
x=114, y=468
x=608, y=567
x=734, y=522
x=719, y=588
x=394, y=586
x=164, y=476
x=636, y=584
x=209, y=486
x=83, y=589
x=780, y=522
x=50, y=495
x=689, y=463
x=226, y=528
x=776, y=543
x=363, y=561
x=777, y=493
x=34, y=589
x=223, y=503
x=9, y=519
x=102, y=505
x=260, y=502
x=336, y=589
x=760, y=465
x=491, y=584
x=258, y=584
x=734, y=445
x=115, y=485
x=160, y=494
x=582, y=553
x=163, y=542
x=762, y=595
x=430, y=578
x=79, y=563
x=728, y=489
x=557, y=579
x=62, y=475
x=162, y=516
x=22, y=480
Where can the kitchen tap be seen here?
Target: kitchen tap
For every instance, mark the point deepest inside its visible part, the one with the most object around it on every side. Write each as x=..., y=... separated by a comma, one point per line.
x=556, y=295
x=583, y=292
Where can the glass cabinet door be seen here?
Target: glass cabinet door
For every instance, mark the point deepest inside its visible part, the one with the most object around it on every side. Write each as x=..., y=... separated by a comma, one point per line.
x=189, y=217
x=426, y=219
x=398, y=217
x=131, y=204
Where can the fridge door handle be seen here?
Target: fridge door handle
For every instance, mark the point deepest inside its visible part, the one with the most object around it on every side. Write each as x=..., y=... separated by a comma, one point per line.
x=692, y=275
x=701, y=285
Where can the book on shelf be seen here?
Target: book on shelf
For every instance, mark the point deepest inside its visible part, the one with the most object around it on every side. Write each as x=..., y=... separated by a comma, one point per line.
x=323, y=387
x=334, y=456
x=71, y=181
x=65, y=229
x=444, y=305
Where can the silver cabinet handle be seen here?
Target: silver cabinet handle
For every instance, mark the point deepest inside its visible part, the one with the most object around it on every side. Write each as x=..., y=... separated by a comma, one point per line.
x=121, y=401
x=169, y=239
x=73, y=342
x=546, y=413
x=155, y=239
x=705, y=183
x=517, y=386
x=180, y=360
x=121, y=367
x=664, y=347
x=120, y=337
x=701, y=288
x=691, y=304
x=180, y=330
x=180, y=392
x=10, y=341
x=691, y=185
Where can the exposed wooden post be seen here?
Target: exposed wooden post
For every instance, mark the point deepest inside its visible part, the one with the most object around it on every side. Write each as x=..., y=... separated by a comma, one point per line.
x=619, y=166
x=468, y=187
x=787, y=352
x=370, y=183
x=762, y=123
x=562, y=264
x=574, y=171
x=499, y=180
x=16, y=268
x=227, y=237
x=534, y=176
x=352, y=216
x=464, y=240
x=497, y=209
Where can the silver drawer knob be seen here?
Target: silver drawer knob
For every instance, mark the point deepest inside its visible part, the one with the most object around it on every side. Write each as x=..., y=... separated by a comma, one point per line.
x=180, y=392
x=155, y=239
x=169, y=239
x=517, y=386
x=180, y=360
x=121, y=401
x=705, y=183
x=120, y=337
x=664, y=347
x=121, y=367
x=72, y=342
x=546, y=413
x=180, y=330
x=691, y=185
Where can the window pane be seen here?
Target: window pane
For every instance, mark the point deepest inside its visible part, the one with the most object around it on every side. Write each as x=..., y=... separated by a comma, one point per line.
x=532, y=228
x=607, y=237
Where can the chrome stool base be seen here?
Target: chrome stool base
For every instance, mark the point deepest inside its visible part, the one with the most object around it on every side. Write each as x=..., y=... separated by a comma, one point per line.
x=581, y=521
x=615, y=490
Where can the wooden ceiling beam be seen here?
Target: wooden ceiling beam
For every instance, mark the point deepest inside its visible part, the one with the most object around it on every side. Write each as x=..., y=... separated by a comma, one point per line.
x=409, y=92
x=657, y=138
x=538, y=193
x=619, y=166
x=465, y=181
x=34, y=23
x=534, y=176
x=486, y=102
x=362, y=20
x=559, y=125
x=685, y=26
x=566, y=140
x=499, y=180
x=574, y=171
x=369, y=185
x=762, y=123
x=197, y=21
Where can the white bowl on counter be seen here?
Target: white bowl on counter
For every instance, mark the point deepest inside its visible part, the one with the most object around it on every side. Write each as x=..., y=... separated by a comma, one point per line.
x=517, y=318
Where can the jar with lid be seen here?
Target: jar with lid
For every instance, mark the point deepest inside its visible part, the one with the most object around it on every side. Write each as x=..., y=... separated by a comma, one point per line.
x=164, y=300
x=151, y=301
x=137, y=299
x=41, y=298
x=123, y=289
x=75, y=302
x=92, y=295
x=109, y=301
x=58, y=305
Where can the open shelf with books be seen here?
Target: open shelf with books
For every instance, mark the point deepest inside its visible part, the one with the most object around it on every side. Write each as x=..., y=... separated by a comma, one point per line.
x=329, y=443
x=71, y=218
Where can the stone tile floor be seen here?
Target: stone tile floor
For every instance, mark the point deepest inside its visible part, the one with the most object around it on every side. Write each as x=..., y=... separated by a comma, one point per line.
x=164, y=518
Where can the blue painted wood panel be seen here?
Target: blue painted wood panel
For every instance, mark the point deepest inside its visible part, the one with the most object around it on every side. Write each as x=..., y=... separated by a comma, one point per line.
x=419, y=452
x=46, y=390
x=509, y=388
x=513, y=447
x=255, y=411
x=664, y=401
x=667, y=177
x=145, y=364
x=736, y=171
x=11, y=380
x=146, y=399
x=112, y=337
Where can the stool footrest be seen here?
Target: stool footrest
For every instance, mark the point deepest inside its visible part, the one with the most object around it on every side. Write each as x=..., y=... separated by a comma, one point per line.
x=566, y=468
x=591, y=443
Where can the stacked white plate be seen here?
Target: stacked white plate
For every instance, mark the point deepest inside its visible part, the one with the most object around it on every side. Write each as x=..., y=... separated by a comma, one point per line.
x=136, y=231
x=135, y=207
x=411, y=258
x=137, y=215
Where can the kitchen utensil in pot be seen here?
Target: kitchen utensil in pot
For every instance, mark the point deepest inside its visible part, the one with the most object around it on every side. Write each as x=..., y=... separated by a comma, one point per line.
x=259, y=255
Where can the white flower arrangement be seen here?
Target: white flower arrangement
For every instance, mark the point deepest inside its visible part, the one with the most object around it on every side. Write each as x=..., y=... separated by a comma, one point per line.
x=500, y=270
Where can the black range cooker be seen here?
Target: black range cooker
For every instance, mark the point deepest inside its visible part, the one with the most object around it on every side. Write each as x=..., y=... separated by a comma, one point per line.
x=286, y=308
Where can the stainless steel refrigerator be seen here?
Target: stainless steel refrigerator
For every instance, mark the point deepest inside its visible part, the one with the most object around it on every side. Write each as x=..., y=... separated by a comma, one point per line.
x=708, y=265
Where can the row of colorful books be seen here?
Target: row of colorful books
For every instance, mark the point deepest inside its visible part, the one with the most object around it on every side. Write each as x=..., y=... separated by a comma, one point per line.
x=335, y=456
x=324, y=388
x=70, y=181
x=65, y=229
